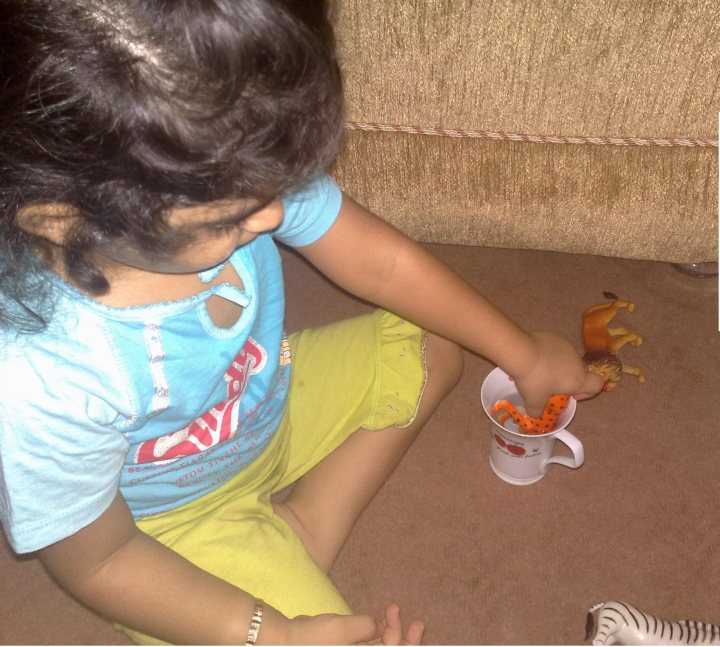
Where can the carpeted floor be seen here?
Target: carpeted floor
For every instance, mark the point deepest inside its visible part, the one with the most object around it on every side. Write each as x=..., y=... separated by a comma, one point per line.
x=485, y=562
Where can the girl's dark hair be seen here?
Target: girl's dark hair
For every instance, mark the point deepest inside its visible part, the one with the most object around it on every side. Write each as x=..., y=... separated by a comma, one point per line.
x=124, y=109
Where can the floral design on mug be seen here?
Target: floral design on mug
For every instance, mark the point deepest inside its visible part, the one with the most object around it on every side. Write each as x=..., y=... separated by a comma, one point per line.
x=515, y=450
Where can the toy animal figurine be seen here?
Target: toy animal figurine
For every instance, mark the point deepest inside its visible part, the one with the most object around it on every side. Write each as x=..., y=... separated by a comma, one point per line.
x=544, y=424
x=601, y=344
x=620, y=623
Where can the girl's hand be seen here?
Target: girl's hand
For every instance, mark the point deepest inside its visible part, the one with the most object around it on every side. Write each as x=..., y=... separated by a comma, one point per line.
x=557, y=369
x=330, y=629
x=391, y=629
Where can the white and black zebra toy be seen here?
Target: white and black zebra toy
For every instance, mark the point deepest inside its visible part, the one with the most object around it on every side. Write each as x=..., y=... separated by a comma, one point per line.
x=620, y=623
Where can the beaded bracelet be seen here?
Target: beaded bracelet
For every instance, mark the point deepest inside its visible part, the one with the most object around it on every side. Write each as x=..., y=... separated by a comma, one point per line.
x=255, y=623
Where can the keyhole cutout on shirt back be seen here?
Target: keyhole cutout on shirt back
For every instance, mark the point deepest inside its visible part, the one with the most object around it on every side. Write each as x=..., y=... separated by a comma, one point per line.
x=225, y=313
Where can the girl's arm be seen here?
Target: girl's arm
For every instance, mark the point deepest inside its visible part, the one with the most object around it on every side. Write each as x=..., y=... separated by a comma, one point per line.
x=123, y=574
x=374, y=261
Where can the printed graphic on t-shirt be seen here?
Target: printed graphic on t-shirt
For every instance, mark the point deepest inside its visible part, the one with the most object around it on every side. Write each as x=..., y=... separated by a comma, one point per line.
x=215, y=426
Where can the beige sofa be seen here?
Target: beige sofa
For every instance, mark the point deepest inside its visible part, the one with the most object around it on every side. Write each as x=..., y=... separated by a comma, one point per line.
x=585, y=126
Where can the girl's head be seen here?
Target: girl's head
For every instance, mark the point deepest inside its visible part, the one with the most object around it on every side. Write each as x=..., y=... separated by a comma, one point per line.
x=115, y=112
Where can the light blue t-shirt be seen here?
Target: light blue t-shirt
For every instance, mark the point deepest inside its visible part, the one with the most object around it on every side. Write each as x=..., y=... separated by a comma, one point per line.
x=156, y=400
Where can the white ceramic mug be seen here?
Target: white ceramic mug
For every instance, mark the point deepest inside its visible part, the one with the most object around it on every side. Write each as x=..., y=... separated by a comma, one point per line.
x=522, y=459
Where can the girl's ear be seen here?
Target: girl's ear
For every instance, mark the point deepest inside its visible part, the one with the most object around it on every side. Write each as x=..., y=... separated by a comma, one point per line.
x=265, y=219
x=49, y=220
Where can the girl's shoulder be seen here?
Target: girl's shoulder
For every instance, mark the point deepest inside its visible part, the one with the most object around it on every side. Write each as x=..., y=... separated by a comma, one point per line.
x=310, y=211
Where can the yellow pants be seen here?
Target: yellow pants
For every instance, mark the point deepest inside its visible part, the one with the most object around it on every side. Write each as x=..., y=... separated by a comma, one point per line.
x=367, y=372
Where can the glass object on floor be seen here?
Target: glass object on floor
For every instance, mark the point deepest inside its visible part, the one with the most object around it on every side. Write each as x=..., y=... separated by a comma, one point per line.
x=698, y=270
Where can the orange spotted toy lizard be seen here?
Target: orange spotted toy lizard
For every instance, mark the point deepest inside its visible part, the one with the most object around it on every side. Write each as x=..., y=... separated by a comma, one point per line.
x=601, y=344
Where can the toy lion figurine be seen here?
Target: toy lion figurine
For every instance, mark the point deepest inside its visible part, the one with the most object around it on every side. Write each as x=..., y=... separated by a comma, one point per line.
x=601, y=342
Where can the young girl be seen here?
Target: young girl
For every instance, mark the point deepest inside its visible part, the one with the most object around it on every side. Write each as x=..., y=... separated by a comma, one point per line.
x=153, y=153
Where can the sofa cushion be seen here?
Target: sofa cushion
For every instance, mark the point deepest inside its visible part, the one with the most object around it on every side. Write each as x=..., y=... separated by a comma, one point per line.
x=581, y=70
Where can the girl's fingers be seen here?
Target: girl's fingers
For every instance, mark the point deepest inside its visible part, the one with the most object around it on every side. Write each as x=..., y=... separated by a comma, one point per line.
x=594, y=383
x=392, y=626
x=415, y=633
x=392, y=630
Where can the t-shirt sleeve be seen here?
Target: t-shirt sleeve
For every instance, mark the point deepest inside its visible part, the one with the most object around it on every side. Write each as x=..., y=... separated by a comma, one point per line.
x=310, y=211
x=59, y=465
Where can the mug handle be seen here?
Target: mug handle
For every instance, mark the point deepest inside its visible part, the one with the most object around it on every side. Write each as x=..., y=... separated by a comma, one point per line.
x=578, y=457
